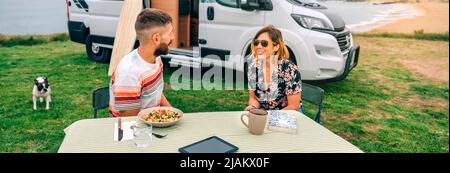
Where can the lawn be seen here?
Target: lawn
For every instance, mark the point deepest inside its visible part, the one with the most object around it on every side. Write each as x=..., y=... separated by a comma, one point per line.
x=383, y=106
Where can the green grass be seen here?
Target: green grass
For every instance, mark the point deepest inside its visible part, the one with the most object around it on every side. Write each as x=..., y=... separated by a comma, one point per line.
x=418, y=34
x=380, y=107
x=370, y=109
x=430, y=90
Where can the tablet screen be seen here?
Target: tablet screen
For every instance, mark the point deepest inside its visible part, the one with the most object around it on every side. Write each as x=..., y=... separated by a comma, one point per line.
x=210, y=145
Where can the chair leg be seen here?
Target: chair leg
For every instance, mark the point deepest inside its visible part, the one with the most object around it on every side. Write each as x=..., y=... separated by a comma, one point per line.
x=317, y=119
x=95, y=113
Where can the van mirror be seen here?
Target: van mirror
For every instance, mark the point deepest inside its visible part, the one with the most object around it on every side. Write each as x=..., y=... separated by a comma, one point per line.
x=265, y=5
x=250, y=5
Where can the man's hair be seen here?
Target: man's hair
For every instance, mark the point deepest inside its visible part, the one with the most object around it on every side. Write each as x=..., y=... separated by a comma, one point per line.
x=148, y=19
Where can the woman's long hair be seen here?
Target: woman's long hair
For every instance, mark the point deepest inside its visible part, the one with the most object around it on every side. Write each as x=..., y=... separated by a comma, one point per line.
x=276, y=37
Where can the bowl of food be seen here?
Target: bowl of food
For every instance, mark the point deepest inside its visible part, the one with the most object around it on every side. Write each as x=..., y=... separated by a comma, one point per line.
x=160, y=116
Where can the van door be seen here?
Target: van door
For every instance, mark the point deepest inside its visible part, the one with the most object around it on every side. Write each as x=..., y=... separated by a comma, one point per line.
x=78, y=7
x=224, y=24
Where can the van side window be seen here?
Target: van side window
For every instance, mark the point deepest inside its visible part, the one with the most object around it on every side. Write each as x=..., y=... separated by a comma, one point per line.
x=208, y=1
x=228, y=3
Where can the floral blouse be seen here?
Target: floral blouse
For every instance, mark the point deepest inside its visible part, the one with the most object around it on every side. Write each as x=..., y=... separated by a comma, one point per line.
x=285, y=80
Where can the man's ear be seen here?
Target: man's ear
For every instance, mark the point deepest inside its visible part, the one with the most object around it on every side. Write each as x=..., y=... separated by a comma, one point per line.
x=156, y=38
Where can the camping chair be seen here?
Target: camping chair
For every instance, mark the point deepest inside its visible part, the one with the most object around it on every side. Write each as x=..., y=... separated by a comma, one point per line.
x=314, y=95
x=100, y=99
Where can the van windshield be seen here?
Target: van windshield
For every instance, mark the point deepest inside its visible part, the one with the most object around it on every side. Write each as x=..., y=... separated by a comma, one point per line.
x=307, y=3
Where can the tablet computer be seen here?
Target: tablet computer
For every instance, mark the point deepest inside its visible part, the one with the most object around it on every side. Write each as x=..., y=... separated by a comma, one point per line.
x=212, y=144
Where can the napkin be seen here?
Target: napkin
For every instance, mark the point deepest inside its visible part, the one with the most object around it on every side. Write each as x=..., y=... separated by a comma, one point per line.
x=127, y=131
x=282, y=122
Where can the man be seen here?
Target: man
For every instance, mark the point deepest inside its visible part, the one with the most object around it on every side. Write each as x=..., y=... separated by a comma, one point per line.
x=137, y=83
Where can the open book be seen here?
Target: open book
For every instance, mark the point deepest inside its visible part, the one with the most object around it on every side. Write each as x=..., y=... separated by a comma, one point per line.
x=282, y=122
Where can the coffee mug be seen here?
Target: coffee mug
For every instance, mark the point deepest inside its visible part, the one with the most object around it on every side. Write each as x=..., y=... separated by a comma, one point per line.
x=256, y=121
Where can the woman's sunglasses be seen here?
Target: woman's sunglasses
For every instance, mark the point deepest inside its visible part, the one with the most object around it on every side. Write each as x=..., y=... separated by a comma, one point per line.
x=264, y=43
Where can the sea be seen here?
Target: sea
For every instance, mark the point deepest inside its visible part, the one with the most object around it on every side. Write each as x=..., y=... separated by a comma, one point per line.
x=23, y=17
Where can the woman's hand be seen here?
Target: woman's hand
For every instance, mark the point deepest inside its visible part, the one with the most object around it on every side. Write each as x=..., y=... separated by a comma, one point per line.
x=252, y=101
x=250, y=107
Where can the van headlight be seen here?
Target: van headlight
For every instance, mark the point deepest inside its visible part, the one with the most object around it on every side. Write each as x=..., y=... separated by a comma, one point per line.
x=309, y=22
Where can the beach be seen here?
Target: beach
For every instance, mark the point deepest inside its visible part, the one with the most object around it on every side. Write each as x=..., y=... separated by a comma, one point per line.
x=434, y=19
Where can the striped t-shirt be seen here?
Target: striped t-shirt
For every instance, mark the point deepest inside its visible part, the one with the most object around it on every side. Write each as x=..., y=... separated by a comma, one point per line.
x=135, y=84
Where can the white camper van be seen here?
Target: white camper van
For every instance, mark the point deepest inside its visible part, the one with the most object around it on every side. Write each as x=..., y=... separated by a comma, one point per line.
x=318, y=41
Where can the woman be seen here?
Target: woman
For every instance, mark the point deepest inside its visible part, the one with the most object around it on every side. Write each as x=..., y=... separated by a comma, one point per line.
x=274, y=81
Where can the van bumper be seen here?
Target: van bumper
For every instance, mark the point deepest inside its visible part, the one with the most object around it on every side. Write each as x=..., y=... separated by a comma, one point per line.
x=350, y=63
x=77, y=31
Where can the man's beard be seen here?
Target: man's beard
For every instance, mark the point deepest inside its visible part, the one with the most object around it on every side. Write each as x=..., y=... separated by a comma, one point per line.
x=162, y=49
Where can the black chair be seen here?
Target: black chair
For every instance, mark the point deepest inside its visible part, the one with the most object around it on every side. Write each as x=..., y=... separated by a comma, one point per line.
x=314, y=95
x=100, y=99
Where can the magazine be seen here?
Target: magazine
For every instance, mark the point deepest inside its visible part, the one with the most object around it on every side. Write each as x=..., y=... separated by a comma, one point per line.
x=282, y=122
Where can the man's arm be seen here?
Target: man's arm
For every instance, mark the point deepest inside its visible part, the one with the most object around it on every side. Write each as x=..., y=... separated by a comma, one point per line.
x=131, y=112
x=164, y=101
x=134, y=112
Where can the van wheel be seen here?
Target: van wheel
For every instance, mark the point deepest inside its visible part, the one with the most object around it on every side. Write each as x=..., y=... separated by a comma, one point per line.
x=97, y=53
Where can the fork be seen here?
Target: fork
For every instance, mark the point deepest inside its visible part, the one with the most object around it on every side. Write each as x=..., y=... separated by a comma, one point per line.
x=159, y=135
x=154, y=134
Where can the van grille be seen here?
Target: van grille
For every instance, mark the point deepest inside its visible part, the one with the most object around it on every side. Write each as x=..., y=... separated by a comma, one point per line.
x=344, y=42
x=343, y=38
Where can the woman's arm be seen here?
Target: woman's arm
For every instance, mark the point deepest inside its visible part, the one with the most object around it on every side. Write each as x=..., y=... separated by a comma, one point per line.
x=293, y=86
x=253, y=100
x=293, y=102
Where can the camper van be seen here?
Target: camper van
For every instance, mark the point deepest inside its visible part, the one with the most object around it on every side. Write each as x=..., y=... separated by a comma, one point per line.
x=215, y=31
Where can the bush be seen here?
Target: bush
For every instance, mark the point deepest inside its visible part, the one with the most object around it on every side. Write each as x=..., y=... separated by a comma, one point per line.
x=28, y=40
x=60, y=37
x=418, y=34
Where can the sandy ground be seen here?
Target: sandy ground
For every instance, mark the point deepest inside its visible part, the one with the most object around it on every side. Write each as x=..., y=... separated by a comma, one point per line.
x=426, y=60
x=434, y=20
x=435, y=65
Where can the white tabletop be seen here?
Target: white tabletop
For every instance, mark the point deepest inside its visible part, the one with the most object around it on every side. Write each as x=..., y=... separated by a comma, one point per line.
x=96, y=135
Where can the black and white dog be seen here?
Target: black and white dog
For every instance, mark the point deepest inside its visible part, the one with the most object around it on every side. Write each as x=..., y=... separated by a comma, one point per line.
x=41, y=89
